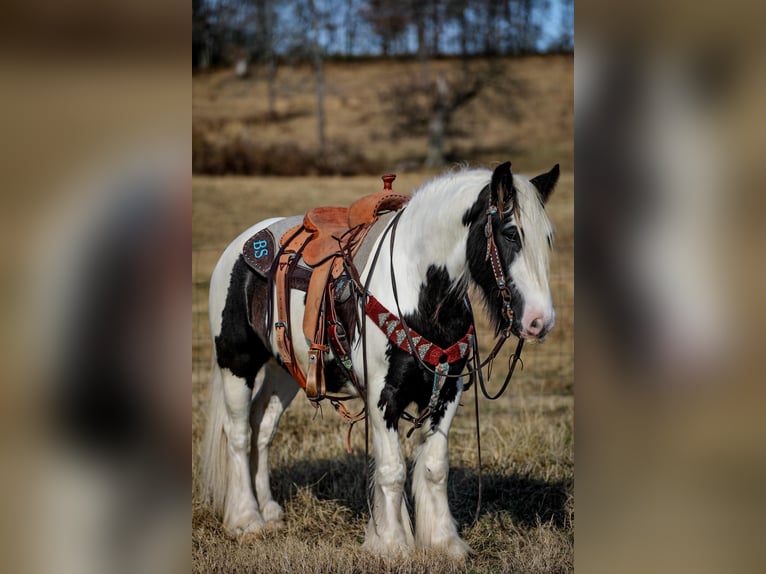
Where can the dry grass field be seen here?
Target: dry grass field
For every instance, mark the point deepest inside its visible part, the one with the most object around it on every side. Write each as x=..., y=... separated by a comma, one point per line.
x=526, y=520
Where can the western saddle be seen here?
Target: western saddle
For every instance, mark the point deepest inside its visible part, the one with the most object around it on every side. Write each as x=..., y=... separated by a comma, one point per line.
x=317, y=256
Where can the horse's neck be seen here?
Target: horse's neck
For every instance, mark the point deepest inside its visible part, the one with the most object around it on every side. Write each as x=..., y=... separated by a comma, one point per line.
x=430, y=255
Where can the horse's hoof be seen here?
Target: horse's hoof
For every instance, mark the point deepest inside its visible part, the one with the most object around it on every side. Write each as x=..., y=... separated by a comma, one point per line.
x=457, y=549
x=388, y=548
x=252, y=536
x=247, y=532
x=272, y=514
x=275, y=524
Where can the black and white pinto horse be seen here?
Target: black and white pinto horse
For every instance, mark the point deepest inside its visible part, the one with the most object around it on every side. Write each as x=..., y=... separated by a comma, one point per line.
x=439, y=250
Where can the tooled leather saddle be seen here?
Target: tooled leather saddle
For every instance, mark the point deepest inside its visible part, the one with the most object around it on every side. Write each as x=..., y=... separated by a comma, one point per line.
x=319, y=255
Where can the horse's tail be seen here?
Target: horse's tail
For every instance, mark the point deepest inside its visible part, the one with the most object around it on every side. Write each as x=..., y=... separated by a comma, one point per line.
x=214, y=444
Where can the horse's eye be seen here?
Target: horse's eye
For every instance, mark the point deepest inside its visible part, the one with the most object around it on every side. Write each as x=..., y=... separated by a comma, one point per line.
x=511, y=234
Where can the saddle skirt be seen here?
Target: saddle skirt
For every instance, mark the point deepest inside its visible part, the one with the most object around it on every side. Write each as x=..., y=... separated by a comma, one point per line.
x=260, y=250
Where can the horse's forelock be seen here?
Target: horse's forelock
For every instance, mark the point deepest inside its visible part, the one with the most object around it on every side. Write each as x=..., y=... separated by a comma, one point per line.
x=534, y=226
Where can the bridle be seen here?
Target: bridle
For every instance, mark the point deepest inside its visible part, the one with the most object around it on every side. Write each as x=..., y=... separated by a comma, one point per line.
x=497, y=269
x=507, y=306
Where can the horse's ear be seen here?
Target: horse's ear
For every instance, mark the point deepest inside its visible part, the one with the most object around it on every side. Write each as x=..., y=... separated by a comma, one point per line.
x=545, y=182
x=501, y=189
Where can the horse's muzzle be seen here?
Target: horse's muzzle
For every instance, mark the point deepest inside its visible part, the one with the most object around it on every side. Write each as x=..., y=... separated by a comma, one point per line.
x=537, y=324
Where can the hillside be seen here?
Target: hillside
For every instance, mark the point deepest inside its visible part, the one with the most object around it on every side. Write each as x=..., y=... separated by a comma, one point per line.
x=526, y=114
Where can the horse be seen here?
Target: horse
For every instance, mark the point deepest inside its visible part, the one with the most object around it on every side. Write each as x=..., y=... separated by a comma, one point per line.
x=467, y=227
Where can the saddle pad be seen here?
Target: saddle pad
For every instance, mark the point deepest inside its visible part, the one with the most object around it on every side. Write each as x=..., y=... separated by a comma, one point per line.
x=259, y=251
x=361, y=257
x=272, y=234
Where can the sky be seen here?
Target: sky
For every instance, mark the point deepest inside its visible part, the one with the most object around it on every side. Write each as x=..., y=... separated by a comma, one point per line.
x=549, y=16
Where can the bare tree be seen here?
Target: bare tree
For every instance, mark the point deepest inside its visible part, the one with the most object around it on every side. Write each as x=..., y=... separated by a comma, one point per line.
x=317, y=58
x=436, y=19
x=491, y=8
x=446, y=99
x=222, y=29
x=389, y=20
x=457, y=10
x=431, y=108
x=350, y=24
x=419, y=17
x=566, y=37
x=266, y=34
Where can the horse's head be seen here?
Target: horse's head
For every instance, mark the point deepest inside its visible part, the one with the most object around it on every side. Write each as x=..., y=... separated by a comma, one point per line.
x=510, y=214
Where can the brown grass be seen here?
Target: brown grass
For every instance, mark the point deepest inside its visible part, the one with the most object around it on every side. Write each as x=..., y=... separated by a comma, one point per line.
x=533, y=121
x=527, y=511
x=526, y=523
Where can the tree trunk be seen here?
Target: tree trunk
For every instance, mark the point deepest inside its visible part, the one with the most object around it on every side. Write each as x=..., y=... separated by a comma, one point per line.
x=318, y=75
x=438, y=123
x=490, y=38
x=436, y=27
x=350, y=27
x=422, y=47
x=463, y=25
x=265, y=19
x=437, y=130
x=271, y=77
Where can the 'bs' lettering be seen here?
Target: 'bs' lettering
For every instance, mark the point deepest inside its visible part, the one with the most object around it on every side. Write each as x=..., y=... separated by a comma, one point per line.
x=259, y=249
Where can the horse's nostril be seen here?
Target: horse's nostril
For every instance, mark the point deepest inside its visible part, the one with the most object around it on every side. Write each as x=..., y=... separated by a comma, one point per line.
x=534, y=324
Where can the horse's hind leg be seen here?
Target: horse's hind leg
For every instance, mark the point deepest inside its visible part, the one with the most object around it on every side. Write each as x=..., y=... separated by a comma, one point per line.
x=434, y=525
x=275, y=395
x=241, y=516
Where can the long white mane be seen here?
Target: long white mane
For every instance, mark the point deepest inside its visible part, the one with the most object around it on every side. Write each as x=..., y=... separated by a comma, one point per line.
x=442, y=202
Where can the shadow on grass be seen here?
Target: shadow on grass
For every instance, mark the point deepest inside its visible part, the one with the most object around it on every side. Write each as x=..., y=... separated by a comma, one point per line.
x=341, y=479
x=265, y=118
x=526, y=501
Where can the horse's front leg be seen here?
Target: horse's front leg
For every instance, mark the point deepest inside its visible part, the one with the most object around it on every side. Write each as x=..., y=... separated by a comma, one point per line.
x=389, y=529
x=434, y=524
